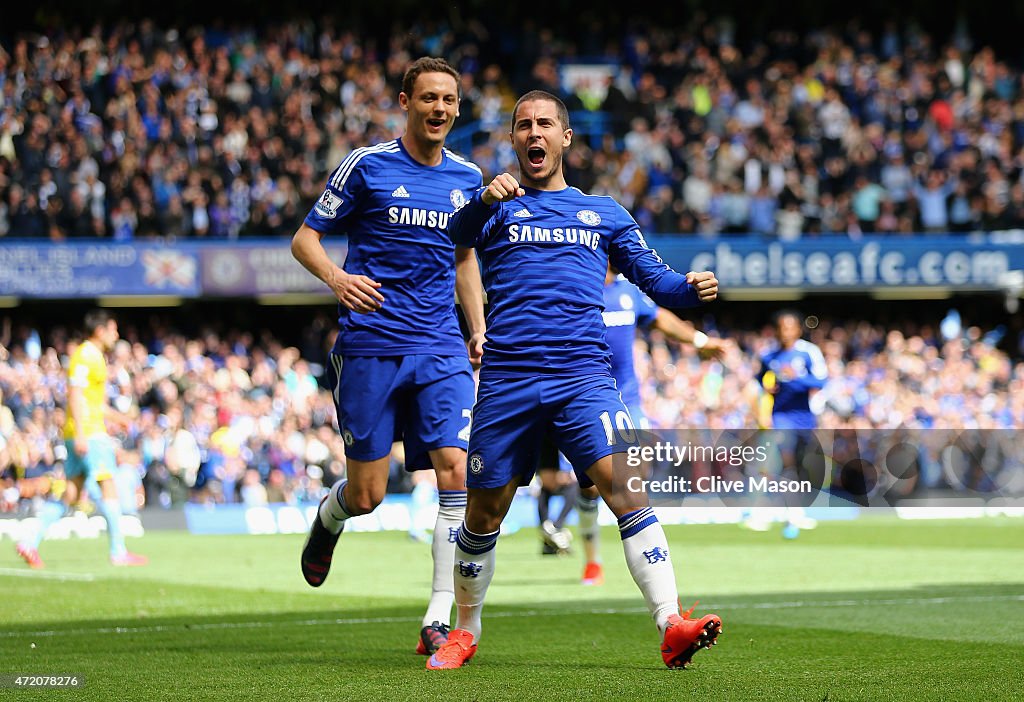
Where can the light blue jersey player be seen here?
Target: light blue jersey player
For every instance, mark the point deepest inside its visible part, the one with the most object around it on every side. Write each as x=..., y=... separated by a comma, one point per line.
x=546, y=371
x=399, y=368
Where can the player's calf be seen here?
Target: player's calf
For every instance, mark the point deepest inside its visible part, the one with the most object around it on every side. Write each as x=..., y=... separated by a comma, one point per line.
x=318, y=549
x=361, y=501
x=361, y=492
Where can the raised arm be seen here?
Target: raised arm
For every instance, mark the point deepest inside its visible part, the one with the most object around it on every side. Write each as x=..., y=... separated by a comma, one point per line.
x=466, y=225
x=631, y=255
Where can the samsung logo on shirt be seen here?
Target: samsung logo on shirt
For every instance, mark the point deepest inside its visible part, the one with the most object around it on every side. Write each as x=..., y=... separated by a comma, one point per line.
x=418, y=217
x=619, y=318
x=521, y=233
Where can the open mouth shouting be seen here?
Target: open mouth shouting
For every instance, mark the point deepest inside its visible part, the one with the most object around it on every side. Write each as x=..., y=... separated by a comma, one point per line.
x=536, y=156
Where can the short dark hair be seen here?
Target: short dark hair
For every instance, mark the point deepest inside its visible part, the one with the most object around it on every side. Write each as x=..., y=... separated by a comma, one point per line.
x=94, y=319
x=563, y=113
x=428, y=64
x=787, y=312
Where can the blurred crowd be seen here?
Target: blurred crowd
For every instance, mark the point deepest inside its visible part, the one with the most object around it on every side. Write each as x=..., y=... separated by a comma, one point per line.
x=230, y=418
x=941, y=398
x=134, y=131
x=212, y=419
x=917, y=375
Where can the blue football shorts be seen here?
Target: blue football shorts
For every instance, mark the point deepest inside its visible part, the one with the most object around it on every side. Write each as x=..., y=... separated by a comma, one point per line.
x=424, y=401
x=582, y=416
x=551, y=458
x=792, y=433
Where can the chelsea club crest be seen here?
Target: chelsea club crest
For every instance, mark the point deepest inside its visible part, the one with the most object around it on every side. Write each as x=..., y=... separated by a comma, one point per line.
x=458, y=199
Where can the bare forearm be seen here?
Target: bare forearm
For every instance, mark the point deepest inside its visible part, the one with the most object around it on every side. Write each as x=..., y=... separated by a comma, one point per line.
x=356, y=292
x=674, y=327
x=307, y=250
x=469, y=288
x=121, y=419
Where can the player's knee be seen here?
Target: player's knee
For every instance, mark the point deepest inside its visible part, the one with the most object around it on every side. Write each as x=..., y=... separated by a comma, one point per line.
x=107, y=489
x=71, y=493
x=549, y=480
x=451, y=472
x=362, y=501
x=484, y=518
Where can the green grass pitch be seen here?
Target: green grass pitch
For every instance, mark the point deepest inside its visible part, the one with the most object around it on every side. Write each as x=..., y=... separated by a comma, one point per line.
x=871, y=610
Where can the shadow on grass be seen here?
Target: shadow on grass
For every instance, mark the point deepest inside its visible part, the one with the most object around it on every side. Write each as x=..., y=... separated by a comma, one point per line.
x=381, y=612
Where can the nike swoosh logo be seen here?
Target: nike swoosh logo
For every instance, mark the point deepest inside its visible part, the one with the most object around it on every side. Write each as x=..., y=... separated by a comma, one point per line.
x=434, y=662
x=667, y=649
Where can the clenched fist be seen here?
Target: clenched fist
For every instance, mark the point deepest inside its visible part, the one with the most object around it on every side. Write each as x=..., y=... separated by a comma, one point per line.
x=705, y=283
x=502, y=189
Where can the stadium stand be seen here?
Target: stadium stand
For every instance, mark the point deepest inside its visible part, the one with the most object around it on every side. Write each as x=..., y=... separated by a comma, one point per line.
x=134, y=131
x=226, y=417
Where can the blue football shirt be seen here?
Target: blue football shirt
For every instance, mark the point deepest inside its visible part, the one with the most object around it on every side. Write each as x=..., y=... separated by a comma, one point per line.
x=625, y=308
x=544, y=257
x=395, y=212
x=797, y=371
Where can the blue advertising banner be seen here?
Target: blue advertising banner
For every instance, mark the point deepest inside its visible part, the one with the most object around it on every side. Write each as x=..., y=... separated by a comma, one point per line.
x=395, y=514
x=91, y=270
x=260, y=269
x=975, y=262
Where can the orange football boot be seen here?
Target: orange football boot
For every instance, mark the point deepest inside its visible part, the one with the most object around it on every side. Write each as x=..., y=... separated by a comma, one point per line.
x=455, y=653
x=30, y=555
x=593, y=574
x=684, y=637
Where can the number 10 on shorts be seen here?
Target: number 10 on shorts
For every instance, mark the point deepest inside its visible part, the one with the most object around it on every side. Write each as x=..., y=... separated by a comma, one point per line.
x=623, y=424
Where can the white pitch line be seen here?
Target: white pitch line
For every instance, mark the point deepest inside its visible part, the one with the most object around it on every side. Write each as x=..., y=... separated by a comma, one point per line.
x=48, y=575
x=209, y=626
